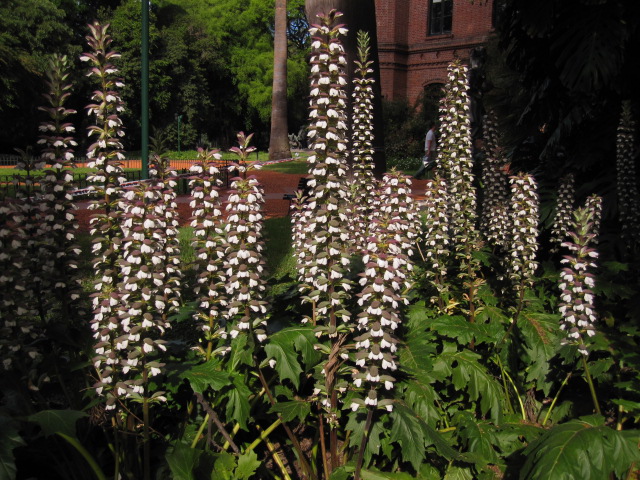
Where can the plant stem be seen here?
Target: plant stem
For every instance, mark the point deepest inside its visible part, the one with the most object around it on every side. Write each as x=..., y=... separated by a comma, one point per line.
x=85, y=454
x=116, y=448
x=274, y=453
x=363, y=444
x=592, y=389
x=323, y=446
x=305, y=465
x=522, y=409
x=504, y=383
x=555, y=399
x=145, y=428
x=264, y=435
x=211, y=414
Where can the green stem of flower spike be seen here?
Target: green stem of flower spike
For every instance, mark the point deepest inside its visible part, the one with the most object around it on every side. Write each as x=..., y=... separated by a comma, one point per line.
x=264, y=434
x=273, y=451
x=363, y=444
x=592, y=389
x=86, y=455
x=522, y=410
x=555, y=399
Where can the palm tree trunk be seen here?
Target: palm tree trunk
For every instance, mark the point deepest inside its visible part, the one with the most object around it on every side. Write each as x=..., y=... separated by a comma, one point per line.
x=279, y=140
x=358, y=15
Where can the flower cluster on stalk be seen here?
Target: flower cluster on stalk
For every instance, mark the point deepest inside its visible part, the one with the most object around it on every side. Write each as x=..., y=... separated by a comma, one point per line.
x=208, y=244
x=434, y=243
x=362, y=184
x=321, y=255
x=493, y=222
x=243, y=264
x=22, y=276
x=522, y=240
x=577, y=280
x=455, y=159
x=627, y=186
x=564, y=211
x=58, y=223
x=384, y=283
x=321, y=235
x=105, y=155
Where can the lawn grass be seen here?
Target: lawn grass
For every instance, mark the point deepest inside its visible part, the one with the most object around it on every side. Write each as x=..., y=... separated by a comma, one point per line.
x=297, y=167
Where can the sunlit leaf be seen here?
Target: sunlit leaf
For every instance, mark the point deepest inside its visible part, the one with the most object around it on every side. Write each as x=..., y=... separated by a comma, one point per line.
x=206, y=375
x=291, y=410
x=248, y=463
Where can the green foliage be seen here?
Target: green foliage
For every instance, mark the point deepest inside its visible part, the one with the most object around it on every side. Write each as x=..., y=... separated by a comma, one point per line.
x=57, y=421
x=581, y=448
x=302, y=339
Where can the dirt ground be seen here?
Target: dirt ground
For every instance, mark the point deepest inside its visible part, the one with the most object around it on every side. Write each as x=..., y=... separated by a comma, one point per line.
x=275, y=185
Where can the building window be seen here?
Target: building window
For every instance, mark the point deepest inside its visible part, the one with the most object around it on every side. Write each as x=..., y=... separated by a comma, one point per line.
x=440, y=16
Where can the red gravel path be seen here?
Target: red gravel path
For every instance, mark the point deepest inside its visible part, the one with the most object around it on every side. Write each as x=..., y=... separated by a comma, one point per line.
x=275, y=184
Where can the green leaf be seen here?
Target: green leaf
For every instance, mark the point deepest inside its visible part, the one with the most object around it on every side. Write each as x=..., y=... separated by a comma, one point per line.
x=407, y=432
x=223, y=467
x=468, y=374
x=421, y=399
x=463, y=331
x=458, y=473
x=583, y=448
x=280, y=347
x=9, y=439
x=479, y=436
x=182, y=461
x=240, y=353
x=206, y=375
x=541, y=338
x=375, y=475
x=291, y=410
x=248, y=463
x=57, y=421
x=238, y=406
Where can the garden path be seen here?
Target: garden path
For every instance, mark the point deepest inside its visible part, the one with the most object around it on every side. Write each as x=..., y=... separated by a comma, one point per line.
x=275, y=185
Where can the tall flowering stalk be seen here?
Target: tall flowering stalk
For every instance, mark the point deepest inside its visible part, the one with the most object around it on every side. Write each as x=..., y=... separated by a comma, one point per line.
x=243, y=261
x=21, y=276
x=564, y=211
x=594, y=205
x=17, y=311
x=577, y=282
x=495, y=181
x=456, y=161
x=521, y=261
x=59, y=221
x=628, y=199
x=384, y=284
x=209, y=246
x=577, y=278
x=362, y=183
x=105, y=155
x=434, y=243
x=322, y=235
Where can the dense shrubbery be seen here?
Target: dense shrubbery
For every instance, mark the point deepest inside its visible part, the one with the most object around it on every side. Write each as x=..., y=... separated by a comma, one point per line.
x=434, y=340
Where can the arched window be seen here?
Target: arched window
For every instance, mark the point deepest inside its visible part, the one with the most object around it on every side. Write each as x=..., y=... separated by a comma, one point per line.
x=440, y=16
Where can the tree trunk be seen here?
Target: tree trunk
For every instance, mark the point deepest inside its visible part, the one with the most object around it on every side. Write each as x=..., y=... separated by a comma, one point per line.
x=358, y=15
x=279, y=140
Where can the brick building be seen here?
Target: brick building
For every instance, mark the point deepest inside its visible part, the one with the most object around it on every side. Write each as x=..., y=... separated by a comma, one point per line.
x=417, y=39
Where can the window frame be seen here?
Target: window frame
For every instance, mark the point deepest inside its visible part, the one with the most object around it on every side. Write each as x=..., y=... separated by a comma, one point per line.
x=440, y=22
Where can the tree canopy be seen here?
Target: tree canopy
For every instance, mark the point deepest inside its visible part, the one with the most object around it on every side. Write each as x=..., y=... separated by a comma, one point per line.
x=203, y=65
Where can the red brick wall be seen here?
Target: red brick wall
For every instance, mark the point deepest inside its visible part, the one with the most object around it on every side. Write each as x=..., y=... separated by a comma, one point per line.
x=410, y=58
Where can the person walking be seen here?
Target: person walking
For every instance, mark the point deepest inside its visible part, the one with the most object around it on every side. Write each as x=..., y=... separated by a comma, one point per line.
x=429, y=160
